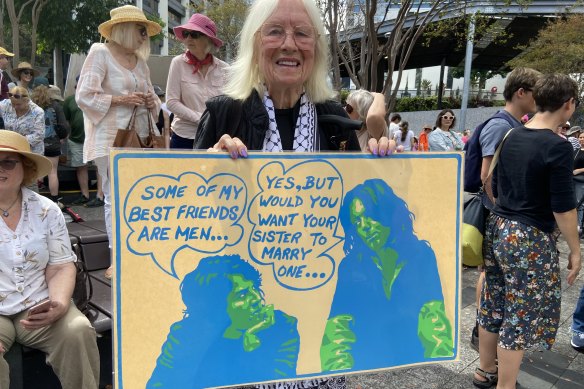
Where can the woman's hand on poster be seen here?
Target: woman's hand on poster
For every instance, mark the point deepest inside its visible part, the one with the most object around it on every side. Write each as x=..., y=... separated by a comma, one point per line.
x=234, y=146
x=382, y=147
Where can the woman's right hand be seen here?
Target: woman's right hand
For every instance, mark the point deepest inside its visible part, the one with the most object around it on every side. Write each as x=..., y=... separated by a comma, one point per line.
x=234, y=146
x=133, y=99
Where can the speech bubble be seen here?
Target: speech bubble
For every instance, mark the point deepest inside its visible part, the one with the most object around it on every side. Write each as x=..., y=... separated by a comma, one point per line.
x=167, y=214
x=295, y=217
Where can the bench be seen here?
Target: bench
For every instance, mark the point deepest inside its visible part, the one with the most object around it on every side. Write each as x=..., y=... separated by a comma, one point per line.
x=90, y=243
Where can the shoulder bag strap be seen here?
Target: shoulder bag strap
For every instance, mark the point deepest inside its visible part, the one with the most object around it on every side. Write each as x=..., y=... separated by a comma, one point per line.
x=496, y=156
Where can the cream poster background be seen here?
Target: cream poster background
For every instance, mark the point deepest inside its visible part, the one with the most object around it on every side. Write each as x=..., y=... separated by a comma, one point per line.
x=158, y=239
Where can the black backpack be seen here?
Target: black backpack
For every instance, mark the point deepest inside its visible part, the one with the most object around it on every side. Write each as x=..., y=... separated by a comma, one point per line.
x=473, y=156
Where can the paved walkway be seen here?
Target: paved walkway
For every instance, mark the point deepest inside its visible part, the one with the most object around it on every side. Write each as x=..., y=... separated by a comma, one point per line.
x=560, y=368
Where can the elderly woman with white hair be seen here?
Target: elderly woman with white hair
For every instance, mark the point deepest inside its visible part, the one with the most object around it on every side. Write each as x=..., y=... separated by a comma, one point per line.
x=369, y=107
x=277, y=88
x=194, y=77
x=115, y=80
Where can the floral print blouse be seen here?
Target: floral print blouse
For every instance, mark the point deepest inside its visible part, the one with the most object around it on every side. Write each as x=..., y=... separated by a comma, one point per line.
x=40, y=239
x=30, y=125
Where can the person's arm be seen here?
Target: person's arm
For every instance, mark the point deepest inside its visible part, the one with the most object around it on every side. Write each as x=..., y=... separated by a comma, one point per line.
x=567, y=223
x=578, y=171
x=375, y=120
x=62, y=128
x=37, y=136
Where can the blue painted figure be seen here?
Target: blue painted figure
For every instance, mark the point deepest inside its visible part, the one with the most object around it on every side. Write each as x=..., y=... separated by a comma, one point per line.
x=388, y=307
x=227, y=335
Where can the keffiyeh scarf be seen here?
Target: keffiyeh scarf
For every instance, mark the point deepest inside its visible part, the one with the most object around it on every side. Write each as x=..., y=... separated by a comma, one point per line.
x=305, y=132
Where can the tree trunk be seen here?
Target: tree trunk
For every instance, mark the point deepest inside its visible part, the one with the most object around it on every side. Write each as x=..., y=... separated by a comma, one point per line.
x=58, y=67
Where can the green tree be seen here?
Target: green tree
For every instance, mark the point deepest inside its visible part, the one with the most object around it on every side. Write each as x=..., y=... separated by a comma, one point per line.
x=229, y=16
x=558, y=48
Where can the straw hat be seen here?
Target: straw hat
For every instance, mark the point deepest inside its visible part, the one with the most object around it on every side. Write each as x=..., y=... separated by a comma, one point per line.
x=128, y=13
x=24, y=66
x=5, y=52
x=201, y=23
x=55, y=93
x=13, y=142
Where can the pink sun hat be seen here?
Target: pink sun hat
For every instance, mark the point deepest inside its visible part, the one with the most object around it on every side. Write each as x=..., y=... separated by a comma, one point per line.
x=201, y=23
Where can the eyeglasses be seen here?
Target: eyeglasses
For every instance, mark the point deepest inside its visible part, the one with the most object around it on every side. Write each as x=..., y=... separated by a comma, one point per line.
x=27, y=72
x=192, y=34
x=427, y=129
x=446, y=117
x=274, y=35
x=349, y=108
x=16, y=96
x=8, y=164
x=142, y=31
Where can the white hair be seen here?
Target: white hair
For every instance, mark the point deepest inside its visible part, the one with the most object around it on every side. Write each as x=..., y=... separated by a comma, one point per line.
x=361, y=101
x=124, y=34
x=244, y=74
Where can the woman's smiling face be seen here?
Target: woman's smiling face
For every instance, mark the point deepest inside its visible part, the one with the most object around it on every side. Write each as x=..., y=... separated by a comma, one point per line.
x=286, y=44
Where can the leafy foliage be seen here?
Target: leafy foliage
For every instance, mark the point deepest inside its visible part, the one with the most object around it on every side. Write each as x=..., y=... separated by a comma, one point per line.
x=72, y=24
x=558, y=48
x=229, y=16
x=418, y=103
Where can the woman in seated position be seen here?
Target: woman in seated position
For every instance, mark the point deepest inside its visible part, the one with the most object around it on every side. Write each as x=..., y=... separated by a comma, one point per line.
x=36, y=265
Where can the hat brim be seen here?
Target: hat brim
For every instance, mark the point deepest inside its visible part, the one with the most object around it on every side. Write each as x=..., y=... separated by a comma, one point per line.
x=16, y=72
x=43, y=164
x=105, y=29
x=193, y=27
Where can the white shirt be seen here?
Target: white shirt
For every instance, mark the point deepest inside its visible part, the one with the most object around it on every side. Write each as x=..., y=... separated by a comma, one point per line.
x=101, y=78
x=393, y=128
x=40, y=239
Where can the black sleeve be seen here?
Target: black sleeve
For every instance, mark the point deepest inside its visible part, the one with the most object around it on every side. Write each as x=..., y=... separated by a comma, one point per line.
x=560, y=162
x=332, y=136
x=222, y=116
x=62, y=126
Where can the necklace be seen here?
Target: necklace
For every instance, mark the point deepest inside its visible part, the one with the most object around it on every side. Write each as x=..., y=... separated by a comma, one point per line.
x=5, y=212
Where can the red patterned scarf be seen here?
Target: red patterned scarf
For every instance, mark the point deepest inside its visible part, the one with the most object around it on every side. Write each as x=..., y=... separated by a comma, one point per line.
x=197, y=64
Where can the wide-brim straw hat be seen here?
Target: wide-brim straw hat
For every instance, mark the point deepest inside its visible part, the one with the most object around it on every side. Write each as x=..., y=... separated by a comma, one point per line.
x=201, y=23
x=124, y=14
x=24, y=66
x=13, y=142
x=5, y=52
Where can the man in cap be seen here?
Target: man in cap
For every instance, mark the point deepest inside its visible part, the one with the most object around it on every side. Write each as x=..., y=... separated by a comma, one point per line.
x=4, y=62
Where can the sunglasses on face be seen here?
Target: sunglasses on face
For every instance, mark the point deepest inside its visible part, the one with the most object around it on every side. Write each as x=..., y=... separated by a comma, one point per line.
x=16, y=96
x=143, y=32
x=8, y=164
x=192, y=34
x=446, y=117
x=427, y=129
x=349, y=108
x=27, y=72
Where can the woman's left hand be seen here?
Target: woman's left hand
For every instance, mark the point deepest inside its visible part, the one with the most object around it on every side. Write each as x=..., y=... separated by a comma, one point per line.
x=43, y=319
x=149, y=100
x=382, y=147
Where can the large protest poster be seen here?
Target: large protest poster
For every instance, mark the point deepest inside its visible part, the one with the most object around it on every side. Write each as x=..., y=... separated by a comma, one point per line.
x=281, y=266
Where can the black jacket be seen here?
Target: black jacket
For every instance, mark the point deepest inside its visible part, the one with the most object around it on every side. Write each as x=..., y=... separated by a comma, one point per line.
x=248, y=121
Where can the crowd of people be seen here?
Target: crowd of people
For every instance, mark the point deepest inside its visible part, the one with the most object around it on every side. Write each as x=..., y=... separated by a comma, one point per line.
x=273, y=98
